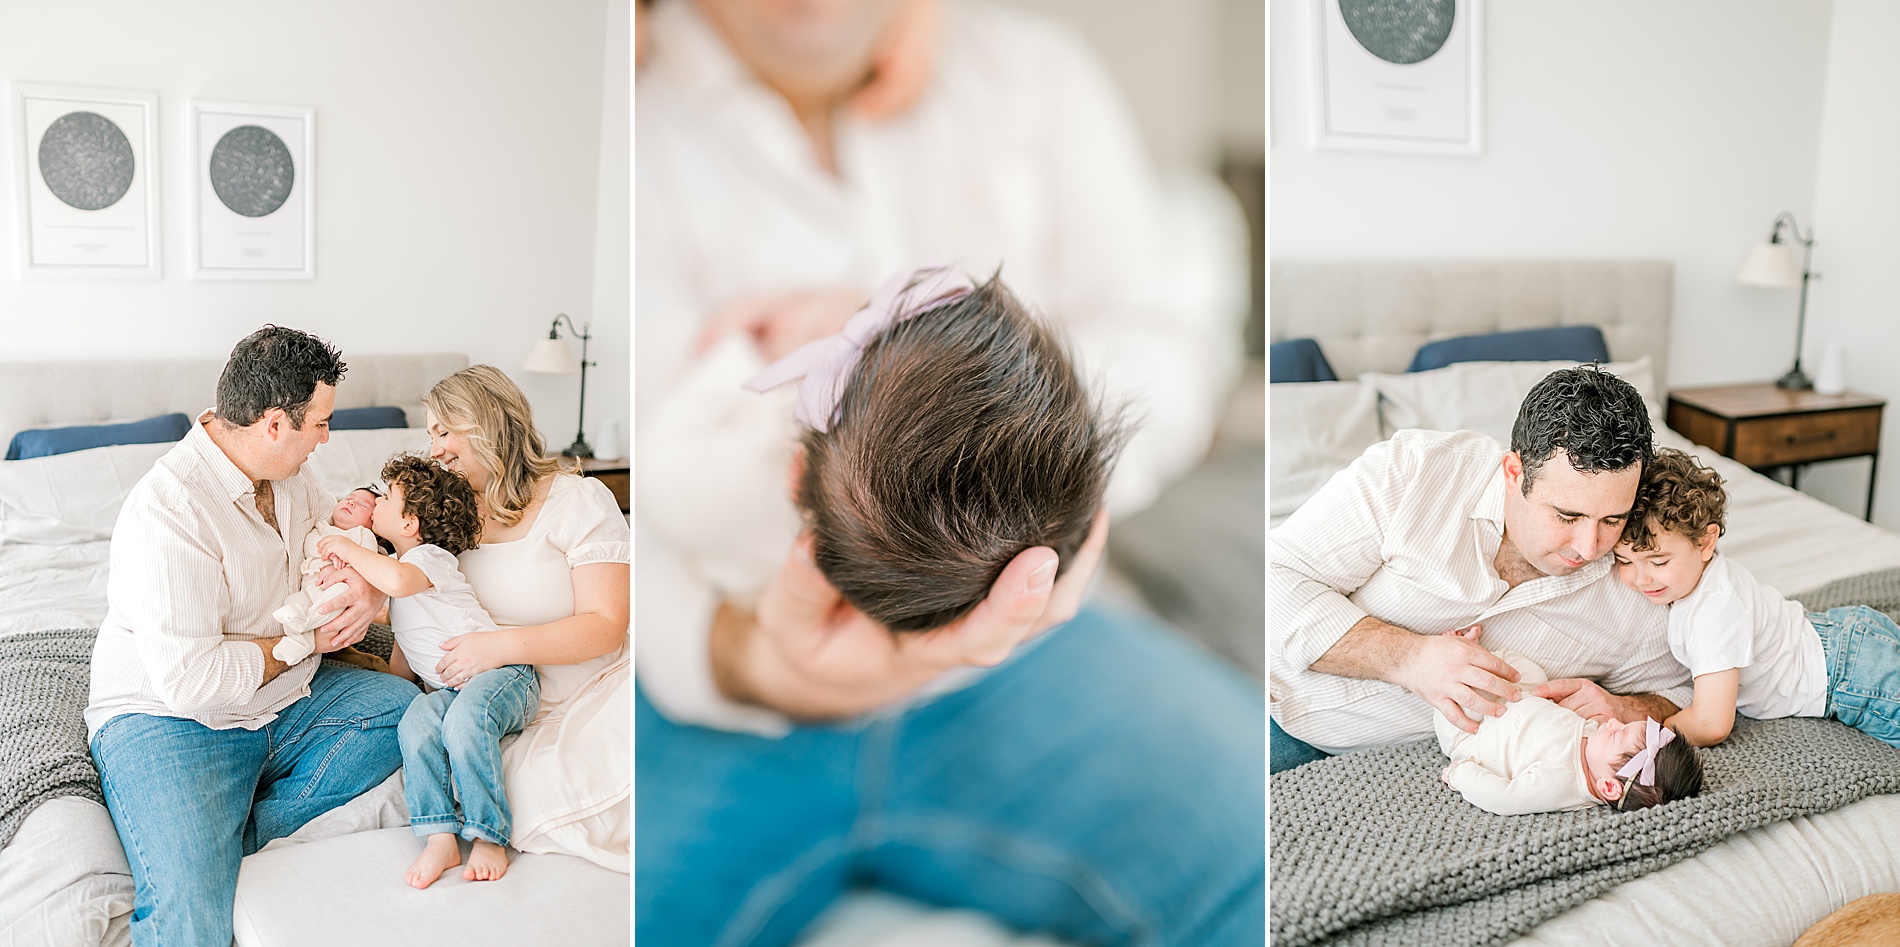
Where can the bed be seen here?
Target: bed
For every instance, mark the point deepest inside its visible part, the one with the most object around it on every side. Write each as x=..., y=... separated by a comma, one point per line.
x=63, y=876
x=1369, y=317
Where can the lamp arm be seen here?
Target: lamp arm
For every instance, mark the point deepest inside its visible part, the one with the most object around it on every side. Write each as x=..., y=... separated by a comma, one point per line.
x=1794, y=232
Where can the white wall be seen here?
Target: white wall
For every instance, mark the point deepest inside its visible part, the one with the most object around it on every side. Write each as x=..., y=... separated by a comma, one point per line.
x=1855, y=245
x=1623, y=128
x=613, y=236
x=1189, y=70
x=459, y=174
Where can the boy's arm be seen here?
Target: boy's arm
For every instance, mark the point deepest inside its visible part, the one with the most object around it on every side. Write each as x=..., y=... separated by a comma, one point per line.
x=1711, y=715
x=391, y=577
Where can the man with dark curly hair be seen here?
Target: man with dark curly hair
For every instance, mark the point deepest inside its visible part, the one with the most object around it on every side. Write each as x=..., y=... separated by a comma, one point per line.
x=451, y=736
x=208, y=745
x=1435, y=532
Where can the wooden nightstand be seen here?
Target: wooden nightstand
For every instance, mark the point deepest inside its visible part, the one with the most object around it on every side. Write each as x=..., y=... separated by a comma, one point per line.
x=1766, y=427
x=615, y=474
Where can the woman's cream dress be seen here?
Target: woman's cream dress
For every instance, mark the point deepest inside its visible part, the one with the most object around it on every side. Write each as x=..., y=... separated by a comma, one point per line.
x=567, y=774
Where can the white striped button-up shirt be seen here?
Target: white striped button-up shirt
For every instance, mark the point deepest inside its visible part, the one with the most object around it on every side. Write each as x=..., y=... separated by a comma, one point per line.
x=1409, y=533
x=195, y=575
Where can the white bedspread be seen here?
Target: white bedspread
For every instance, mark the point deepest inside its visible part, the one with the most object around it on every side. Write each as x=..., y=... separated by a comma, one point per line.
x=52, y=586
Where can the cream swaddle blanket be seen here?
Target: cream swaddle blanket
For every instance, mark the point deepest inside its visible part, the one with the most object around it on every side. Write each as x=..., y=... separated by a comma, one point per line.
x=302, y=614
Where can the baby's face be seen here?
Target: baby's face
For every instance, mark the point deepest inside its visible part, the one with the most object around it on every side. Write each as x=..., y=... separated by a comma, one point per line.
x=1612, y=740
x=1670, y=570
x=354, y=509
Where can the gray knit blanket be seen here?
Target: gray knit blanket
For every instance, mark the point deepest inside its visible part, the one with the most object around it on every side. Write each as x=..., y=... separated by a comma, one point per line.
x=1373, y=848
x=44, y=681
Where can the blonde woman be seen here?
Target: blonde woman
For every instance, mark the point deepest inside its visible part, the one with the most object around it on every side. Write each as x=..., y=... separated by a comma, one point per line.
x=552, y=571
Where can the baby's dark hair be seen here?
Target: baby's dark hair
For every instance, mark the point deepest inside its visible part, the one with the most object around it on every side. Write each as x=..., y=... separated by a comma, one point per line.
x=963, y=436
x=440, y=499
x=1678, y=495
x=1678, y=776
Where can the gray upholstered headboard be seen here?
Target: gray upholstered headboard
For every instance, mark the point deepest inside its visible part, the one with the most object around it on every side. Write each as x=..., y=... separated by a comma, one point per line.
x=58, y=394
x=1371, y=316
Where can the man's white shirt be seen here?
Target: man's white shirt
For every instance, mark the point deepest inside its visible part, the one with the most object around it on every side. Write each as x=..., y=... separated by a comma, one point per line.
x=195, y=574
x=1409, y=533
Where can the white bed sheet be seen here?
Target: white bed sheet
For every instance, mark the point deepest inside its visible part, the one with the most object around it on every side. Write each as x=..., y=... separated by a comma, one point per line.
x=1760, y=888
x=52, y=586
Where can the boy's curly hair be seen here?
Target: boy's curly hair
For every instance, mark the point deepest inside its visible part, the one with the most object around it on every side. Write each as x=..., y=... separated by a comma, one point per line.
x=1678, y=776
x=1678, y=495
x=440, y=499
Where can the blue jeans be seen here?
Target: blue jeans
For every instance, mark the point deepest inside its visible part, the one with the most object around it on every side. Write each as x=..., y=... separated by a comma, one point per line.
x=190, y=802
x=451, y=748
x=1105, y=785
x=1287, y=752
x=1863, y=669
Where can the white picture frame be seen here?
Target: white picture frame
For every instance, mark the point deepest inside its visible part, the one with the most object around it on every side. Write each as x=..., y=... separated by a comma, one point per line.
x=87, y=182
x=253, y=191
x=1409, y=97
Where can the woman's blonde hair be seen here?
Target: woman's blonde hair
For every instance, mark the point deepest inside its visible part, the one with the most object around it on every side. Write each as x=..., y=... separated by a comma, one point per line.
x=485, y=407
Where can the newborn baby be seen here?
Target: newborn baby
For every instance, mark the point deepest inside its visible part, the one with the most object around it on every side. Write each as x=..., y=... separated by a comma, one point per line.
x=302, y=611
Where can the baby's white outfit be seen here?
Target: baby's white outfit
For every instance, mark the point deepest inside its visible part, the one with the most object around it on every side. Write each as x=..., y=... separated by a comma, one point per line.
x=302, y=612
x=1528, y=760
x=426, y=619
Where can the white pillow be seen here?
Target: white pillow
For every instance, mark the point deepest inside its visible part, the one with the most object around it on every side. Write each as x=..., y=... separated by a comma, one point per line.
x=75, y=497
x=355, y=458
x=1482, y=396
x=1316, y=429
x=70, y=498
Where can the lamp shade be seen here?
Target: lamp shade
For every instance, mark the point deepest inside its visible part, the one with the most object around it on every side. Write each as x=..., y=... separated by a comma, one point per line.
x=553, y=357
x=1773, y=265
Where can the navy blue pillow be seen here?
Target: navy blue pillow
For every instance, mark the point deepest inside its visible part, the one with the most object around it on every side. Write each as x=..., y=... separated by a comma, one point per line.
x=366, y=419
x=1298, y=360
x=64, y=440
x=1562, y=343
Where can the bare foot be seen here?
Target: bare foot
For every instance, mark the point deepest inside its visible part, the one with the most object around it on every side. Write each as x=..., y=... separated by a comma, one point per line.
x=439, y=855
x=487, y=862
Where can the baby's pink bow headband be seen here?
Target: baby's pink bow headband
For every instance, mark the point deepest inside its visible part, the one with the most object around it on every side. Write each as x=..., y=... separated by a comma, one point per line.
x=826, y=363
x=1643, y=764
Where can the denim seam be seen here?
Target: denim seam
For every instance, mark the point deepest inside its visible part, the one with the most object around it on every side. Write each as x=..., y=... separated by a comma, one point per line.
x=774, y=890
x=474, y=830
x=873, y=775
x=1029, y=857
x=137, y=849
x=450, y=826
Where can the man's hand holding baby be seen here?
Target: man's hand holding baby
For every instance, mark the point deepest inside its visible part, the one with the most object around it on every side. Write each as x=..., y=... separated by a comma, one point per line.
x=809, y=654
x=354, y=609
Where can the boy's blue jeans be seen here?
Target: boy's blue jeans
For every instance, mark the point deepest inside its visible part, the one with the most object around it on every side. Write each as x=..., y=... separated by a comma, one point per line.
x=1863, y=669
x=1106, y=785
x=190, y=802
x=451, y=748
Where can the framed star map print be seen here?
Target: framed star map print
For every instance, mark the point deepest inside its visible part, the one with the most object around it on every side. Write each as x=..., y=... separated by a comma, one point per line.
x=253, y=191
x=87, y=164
x=1398, y=75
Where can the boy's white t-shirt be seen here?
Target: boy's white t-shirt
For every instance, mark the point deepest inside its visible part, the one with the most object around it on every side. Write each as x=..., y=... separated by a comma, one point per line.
x=426, y=619
x=1733, y=621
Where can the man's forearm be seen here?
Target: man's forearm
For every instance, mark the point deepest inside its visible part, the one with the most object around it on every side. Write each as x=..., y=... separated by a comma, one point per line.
x=272, y=666
x=1638, y=706
x=1371, y=650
